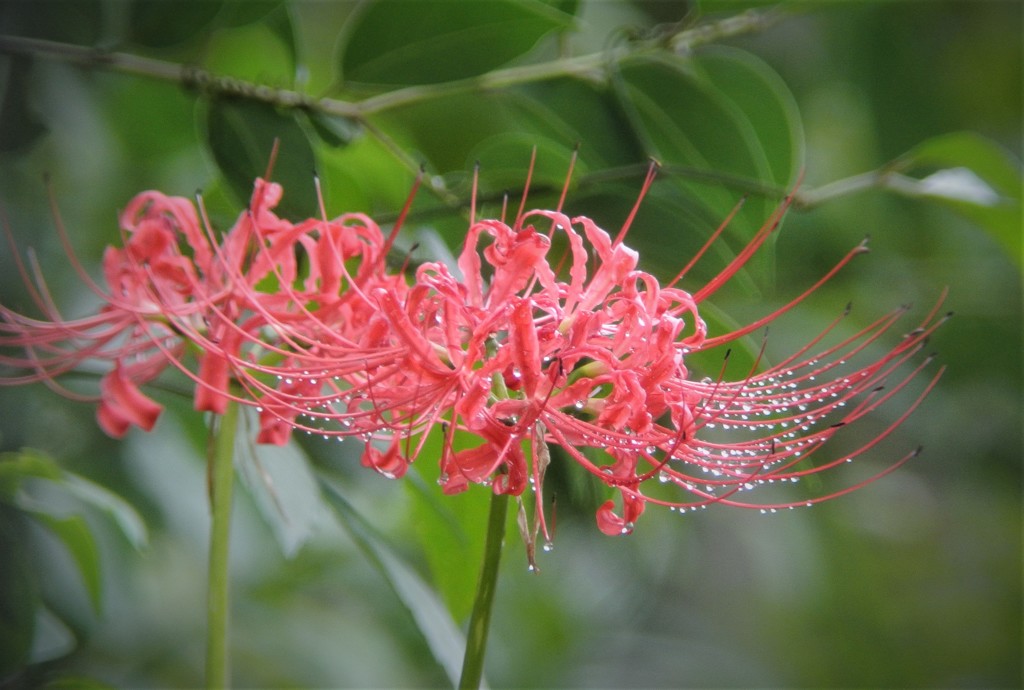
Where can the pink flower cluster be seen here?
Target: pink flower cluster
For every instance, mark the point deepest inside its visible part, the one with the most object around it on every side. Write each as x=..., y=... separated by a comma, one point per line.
x=507, y=354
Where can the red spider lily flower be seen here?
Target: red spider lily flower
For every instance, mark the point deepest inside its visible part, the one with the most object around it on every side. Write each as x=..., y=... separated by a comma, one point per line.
x=235, y=305
x=151, y=285
x=505, y=347
x=594, y=362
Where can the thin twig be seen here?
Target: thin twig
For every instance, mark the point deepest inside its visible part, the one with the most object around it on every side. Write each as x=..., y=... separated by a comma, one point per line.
x=591, y=67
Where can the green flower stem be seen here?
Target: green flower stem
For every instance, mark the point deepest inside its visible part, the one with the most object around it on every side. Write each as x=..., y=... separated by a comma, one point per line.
x=479, y=622
x=221, y=468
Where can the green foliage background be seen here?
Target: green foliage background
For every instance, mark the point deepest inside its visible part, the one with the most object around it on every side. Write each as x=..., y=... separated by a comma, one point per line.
x=912, y=582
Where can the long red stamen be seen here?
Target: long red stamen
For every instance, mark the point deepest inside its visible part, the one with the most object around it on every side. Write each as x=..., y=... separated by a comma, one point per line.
x=652, y=171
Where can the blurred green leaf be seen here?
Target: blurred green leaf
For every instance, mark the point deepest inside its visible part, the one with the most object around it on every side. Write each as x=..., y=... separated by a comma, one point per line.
x=967, y=149
x=53, y=638
x=573, y=112
x=444, y=131
x=242, y=135
x=719, y=124
x=148, y=107
x=569, y=7
x=285, y=491
x=765, y=102
x=253, y=52
x=76, y=682
x=279, y=21
x=120, y=511
x=451, y=530
x=498, y=129
x=690, y=123
x=730, y=7
x=75, y=21
x=30, y=464
x=402, y=42
x=504, y=159
x=161, y=23
x=19, y=596
x=971, y=175
x=241, y=13
x=446, y=641
x=15, y=467
x=20, y=126
x=362, y=176
x=73, y=531
x=332, y=130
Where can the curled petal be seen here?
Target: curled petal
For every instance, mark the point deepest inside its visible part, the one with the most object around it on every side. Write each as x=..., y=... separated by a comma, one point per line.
x=613, y=524
x=525, y=347
x=473, y=465
x=389, y=462
x=215, y=371
x=274, y=430
x=515, y=263
x=122, y=405
x=513, y=480
x=214, y=375
x=153, y=211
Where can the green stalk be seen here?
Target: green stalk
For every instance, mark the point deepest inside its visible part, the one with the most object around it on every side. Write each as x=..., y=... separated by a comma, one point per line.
x=479, y=622
x=221, y=468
